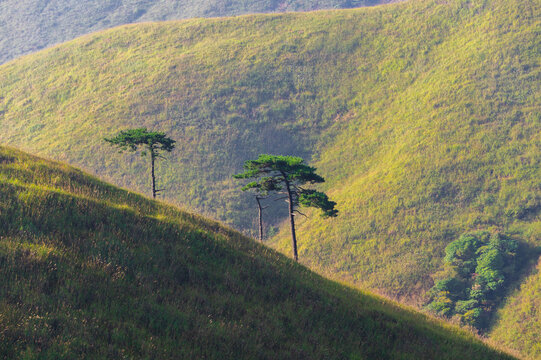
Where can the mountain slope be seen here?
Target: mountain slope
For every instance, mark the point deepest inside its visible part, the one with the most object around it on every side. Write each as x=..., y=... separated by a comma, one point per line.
x=30, y=25
x=457, y=148
x=420, y=138
x=92, y=271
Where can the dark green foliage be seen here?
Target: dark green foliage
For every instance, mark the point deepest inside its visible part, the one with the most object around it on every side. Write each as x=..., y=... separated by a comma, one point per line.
x=482, y=263
x=274, y=165
x=465, y=248
x=453, y=287
x=319, y=200
x=441, y=303
x=489, y=274
x=463, y=306
x=90, y=271
x=276, y=172
x=475, y=317
x=462, y=253
x=153, y=141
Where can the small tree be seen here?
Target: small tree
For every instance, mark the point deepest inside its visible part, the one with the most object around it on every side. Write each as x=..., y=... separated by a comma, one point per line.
x=287, y=175
x=152, y=141
x=261, y=193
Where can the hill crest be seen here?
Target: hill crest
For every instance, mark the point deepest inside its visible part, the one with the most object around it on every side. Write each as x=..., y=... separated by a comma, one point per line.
x=31, y=25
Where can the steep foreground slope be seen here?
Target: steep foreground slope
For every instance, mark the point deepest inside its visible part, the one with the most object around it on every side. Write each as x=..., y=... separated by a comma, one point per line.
x=30, y=25
x=420, y=137
x=92, y=271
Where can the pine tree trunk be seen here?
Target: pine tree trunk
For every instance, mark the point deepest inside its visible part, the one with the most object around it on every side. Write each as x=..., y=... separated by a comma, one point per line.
x=291, y=219
x=260, y=219
x=152, y=157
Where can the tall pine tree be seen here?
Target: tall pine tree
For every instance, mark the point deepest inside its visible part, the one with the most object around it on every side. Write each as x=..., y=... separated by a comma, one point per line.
x=287, y=175
x=152, y=141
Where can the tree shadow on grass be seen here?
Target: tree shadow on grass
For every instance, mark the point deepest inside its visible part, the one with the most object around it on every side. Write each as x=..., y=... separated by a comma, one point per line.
x=528, y=257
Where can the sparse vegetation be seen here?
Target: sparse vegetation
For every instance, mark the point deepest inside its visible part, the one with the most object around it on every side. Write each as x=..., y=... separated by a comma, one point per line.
x=423, y=117
x=30, y=25
x=92, y=271
x=518, y=321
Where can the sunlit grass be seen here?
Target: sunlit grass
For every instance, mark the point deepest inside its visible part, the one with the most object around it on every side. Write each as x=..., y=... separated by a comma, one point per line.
x=89, y=270
x=423, y=117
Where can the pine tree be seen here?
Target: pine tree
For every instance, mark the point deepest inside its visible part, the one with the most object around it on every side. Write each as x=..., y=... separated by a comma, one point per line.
x=287, y=175
x=152, y=141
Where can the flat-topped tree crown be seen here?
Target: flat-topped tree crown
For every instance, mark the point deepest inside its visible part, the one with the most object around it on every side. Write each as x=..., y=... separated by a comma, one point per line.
x=287, y=174
x=131, y=139
x=153, y=142
x=292, y=167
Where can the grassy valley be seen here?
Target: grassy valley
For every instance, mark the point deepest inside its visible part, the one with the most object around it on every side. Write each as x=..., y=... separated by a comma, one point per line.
x=93, y=271
x=421, y=138
x=30, y=25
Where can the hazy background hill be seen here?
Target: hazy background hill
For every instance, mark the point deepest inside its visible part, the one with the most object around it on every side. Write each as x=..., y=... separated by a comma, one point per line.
x=90, y=271
x=30, y=25
x=423, y=117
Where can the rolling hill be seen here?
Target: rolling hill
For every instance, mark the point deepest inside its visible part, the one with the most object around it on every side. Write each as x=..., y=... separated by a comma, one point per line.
x=31, y=25
x=423, y=117
x=93, y=271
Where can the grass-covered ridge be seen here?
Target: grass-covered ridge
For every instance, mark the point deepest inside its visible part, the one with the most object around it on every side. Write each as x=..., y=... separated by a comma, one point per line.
x=31, y=25
x=93, y=271
x=421, y=138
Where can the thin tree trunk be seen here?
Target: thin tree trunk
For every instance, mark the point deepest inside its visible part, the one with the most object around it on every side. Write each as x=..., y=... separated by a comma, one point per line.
x=257, y=198
x=291, y=219
x=152, y=157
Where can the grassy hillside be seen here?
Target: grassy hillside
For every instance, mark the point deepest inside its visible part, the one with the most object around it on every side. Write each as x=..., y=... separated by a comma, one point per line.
x=518, y=323
x=30, y=25
x=458, y=148
x=93, y=271
x=226, y=89
x=421, y=138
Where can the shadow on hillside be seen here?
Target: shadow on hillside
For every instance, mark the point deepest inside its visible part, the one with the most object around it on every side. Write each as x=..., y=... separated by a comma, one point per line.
x=528, y=258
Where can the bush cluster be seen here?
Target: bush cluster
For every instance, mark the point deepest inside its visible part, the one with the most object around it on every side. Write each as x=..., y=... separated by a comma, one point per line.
x=479, y=266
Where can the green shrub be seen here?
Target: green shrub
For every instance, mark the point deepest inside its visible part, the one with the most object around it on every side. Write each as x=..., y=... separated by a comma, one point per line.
x=482, y=262
x=489, y=274
x=441, y=304
x=465, y=248
x=473, y=317
x=451, y=286
x=463, y=306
